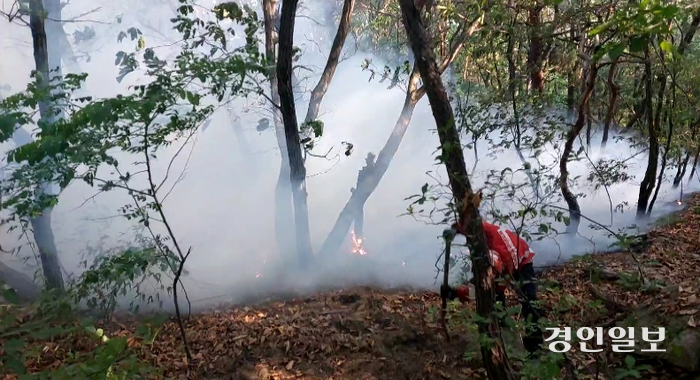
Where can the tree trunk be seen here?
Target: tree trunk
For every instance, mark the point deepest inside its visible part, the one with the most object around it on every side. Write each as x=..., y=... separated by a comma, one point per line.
x=369, y=177
x=589, y=124
x=536, y=52
x=291, y=132
x=639, y=110
x=682, y=47
x=43, y=235
x=682, y=167
x=664, y=158
x=647, y=185
x=283, y=191
x=570, y=93
x=614, y=96
x=571, y=80
x=690, y=33
x=26, y=289
x=494, y=355
x=569, y=197
x=332, y=63
x=694, y=167
x=245, y=151
x=517, y=135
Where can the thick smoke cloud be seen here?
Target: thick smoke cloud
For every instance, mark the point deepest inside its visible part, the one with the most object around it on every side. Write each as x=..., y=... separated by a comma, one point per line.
x=223, y=205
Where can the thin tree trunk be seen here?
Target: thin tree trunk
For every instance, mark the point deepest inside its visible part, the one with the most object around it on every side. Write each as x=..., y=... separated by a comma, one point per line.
x=589, y=124
x=694, y=167
x=291, y=132
x=682, y=47
x=43, y=234
x=570, y=93
x=283, y=192
x=536, y=51
x=690, y=33
x=569, y=197
x=667, y=148
x=683, y=166
x=517, y=135
x=332, y=63
x=647, y=185
x=494, y=354
x=614, y=96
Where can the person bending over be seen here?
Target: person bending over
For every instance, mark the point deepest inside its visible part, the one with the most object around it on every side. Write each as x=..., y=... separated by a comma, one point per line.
x=511, y=258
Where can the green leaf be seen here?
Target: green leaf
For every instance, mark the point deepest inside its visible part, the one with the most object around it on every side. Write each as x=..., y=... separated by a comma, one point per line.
x=616, y=51
x=666, y=46
x=49, y=333
x=668, y=11
x=629, y=361
x=14, y=364
x=599, y=29
x=513, y=310
x=13, y=346
x=10, y=295
x=116, y=346
x=638, y=44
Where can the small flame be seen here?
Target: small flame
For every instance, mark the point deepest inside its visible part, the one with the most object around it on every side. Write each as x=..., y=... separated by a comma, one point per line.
x=679, y=202
x=357, y=244
x=258, y=275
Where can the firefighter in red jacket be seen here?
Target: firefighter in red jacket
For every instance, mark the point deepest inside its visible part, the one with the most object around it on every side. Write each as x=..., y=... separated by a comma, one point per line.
x=511, y=258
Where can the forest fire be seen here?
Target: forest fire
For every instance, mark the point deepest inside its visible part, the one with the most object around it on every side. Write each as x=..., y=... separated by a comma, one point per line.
x=357, y=246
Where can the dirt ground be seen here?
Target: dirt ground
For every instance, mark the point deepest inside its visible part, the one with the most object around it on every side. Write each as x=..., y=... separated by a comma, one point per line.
x=366, y=333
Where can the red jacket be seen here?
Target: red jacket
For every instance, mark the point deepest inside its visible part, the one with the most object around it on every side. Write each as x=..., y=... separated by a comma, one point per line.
x=512, y=250
x=508, y=253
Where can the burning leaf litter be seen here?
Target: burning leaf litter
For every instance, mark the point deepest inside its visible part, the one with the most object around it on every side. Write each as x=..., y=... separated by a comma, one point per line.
x=357, y=244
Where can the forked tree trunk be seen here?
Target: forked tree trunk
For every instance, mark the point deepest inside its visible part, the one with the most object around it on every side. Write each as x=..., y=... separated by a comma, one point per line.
x=494, y=354
x=291, y=132
x=369, y=177
x=569, y=197
x=43, y=234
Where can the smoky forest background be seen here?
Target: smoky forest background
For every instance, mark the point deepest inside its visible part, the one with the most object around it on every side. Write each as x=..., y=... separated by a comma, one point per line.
x=196, y=189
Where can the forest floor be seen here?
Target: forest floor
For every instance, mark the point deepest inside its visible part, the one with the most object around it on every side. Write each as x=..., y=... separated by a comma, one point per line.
x=366, y=333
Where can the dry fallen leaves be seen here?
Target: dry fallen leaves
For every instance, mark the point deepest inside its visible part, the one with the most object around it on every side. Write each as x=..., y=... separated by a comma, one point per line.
x=369, y=333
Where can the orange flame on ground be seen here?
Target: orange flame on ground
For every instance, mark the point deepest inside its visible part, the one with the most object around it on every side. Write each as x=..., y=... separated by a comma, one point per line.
x=357, y=244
